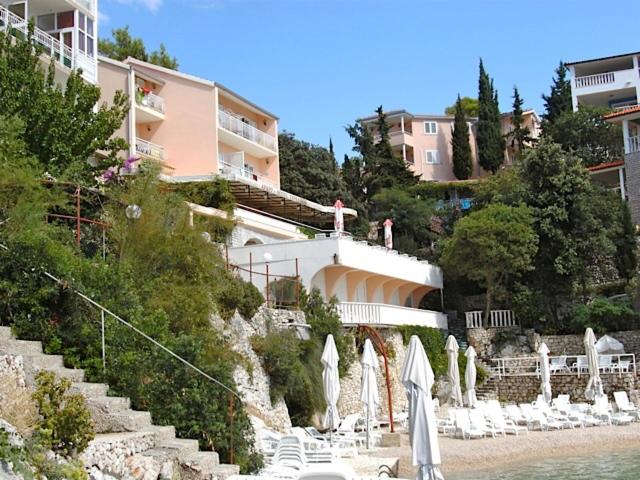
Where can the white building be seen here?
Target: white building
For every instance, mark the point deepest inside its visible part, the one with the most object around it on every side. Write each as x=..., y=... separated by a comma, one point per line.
x=67, y=31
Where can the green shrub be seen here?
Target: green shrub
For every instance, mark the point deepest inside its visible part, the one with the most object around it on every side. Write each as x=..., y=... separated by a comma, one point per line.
x=604, y=316
x=433, y=342
x=236, y=294
x=65, y=423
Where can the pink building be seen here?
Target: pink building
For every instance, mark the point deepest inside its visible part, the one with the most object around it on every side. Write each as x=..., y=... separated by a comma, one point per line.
x=195, y=128
x=424, y=141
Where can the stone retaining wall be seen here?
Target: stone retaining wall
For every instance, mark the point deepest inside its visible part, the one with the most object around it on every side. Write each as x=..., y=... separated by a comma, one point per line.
x=526, y=389
x=573, y=344
x=483, y=341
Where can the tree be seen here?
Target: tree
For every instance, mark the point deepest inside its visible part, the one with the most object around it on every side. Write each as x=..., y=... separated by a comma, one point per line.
x=382, y=168
x=333, y=155
x=352, y=174
x=564, y=206
x=520, y=135
x=62, y=127
x=587, y=135
x=462, y=160
x=492, y=246
x=310, y=171
x=559, y=99
x=124, y=45
x=489, y=136
x=469, y=105
x=626, y=244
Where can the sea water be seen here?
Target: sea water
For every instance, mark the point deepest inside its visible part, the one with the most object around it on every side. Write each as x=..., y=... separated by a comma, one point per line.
x=610, y=466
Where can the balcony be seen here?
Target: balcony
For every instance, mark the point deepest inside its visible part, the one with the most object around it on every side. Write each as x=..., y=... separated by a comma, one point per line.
x=88, y=5
x=51, y=47
x=150, y=150
x=380, y=314
x=600, y=82
x=149, y=107
x=633, y=144
x=232, y=164
x=239, y=134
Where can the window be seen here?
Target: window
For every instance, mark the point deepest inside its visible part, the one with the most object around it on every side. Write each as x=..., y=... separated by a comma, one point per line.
x=430, y=128
x=432, y=157
x=85, y=34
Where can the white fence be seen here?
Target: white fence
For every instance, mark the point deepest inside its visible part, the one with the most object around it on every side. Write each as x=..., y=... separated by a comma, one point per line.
x=237, y=126
x=361, y=313
x=150, y=150
x=497, y=318
x=594, y=80
x=563, y=365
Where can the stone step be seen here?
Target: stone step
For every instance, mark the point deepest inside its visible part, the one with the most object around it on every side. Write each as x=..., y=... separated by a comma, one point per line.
x=5, y=333
x=127, y=421
x=91, y=389
x=205, y=465
x=181, y=446
x=162, y=433
x=224, y=471
x=73, y=374
x=43, y=362
x=111, y=404
x=20, y=347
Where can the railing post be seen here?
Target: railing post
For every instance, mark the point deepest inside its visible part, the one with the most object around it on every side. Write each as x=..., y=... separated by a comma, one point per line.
x=297, y=284
x=250, y=267
x=104, y=351
x=267, y=275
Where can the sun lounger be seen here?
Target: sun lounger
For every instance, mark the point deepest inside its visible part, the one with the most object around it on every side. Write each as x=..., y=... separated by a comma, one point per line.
x=581, y=365
x=494, y=414
x=624, y=405
x=537, y=420
x=514, y=413
x=605, y=363
x=558, y=365
x=480, y=422
x=563, y=418
x=447, y=426
x=464, y=427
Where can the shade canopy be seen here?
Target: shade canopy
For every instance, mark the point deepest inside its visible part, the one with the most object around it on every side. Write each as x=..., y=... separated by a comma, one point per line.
x=330, y=382
x=453, y=372
x=609, y=345
x=369, y=388
x=545, y=372
x=417, y=378
x=470, y=374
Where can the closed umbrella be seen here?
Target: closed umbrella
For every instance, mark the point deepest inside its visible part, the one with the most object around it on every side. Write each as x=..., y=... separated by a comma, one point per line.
x=388, y=234
x=417, y=378
x=330, y=383
x=545, y=372
x=470, y=376
x=338, y=219
x=594, y=387
x=453, y=373
x=369, y=388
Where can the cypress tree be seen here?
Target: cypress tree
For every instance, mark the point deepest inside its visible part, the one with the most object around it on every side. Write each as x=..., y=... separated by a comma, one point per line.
x=489, y=137
x=462, y=161
x=519, y=136
x=559, y=100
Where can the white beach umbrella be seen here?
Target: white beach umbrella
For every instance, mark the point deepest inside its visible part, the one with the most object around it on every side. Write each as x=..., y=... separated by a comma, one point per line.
x=388, y=234
x=338, y=218
x=369, y=388
x=545, y=372
x=417, y=377
x=453, y=373
x=609, y=345
x=330, y=383
x=470, y=376
x=594, y=387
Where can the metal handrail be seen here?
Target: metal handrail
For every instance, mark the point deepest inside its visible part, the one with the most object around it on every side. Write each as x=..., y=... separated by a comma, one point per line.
x=104, y=310
x=529, y=366
x=243, y=129
x=152, y=101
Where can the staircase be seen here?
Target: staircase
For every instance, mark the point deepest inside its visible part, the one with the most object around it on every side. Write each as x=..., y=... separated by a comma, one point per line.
x=488, y=390
x=458, y=329
x=120, y=431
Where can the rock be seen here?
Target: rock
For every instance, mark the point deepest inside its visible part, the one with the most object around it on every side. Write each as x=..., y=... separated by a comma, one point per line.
x=6, y=471
x=166, y=472
x=15, y=440
x=143, y=468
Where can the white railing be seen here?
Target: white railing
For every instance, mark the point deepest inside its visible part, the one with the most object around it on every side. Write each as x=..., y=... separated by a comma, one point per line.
x=152, y=101
x=150, y=150
x=361, y=313
x=595, y=80
x=633, y=144
x=243, y=171
x=237, y=126
x=52, y=47
x=563, y=365
x=497, y=319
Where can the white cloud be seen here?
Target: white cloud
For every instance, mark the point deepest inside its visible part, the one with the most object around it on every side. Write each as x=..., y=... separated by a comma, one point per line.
x=151, y=5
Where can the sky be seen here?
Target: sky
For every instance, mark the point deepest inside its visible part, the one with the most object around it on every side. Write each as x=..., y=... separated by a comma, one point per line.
x=321, y=64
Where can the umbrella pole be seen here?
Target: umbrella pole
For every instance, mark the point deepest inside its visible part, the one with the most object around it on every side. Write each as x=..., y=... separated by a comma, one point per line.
x=367, y=407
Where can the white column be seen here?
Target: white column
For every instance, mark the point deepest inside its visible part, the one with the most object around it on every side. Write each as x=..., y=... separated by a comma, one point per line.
x=623, y=191
x=404, y=152
x=574, y=97
x=636, y=69
x=402, y=124
x=625, y=135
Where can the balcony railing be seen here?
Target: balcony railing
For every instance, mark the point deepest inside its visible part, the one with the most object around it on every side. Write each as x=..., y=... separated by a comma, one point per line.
x=152, y=101
x=563, y=365
x=497, y=318
x=150, y=150
x=52, y=47
x=227, y=165
x=633, y=144
x=360, y=313
x=237, y=126
x=595, y=80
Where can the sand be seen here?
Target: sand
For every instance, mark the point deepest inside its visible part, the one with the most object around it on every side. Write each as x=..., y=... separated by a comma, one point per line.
x=471, y=455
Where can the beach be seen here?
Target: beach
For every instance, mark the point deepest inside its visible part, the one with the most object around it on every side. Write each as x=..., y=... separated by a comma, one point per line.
x=471, y=455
